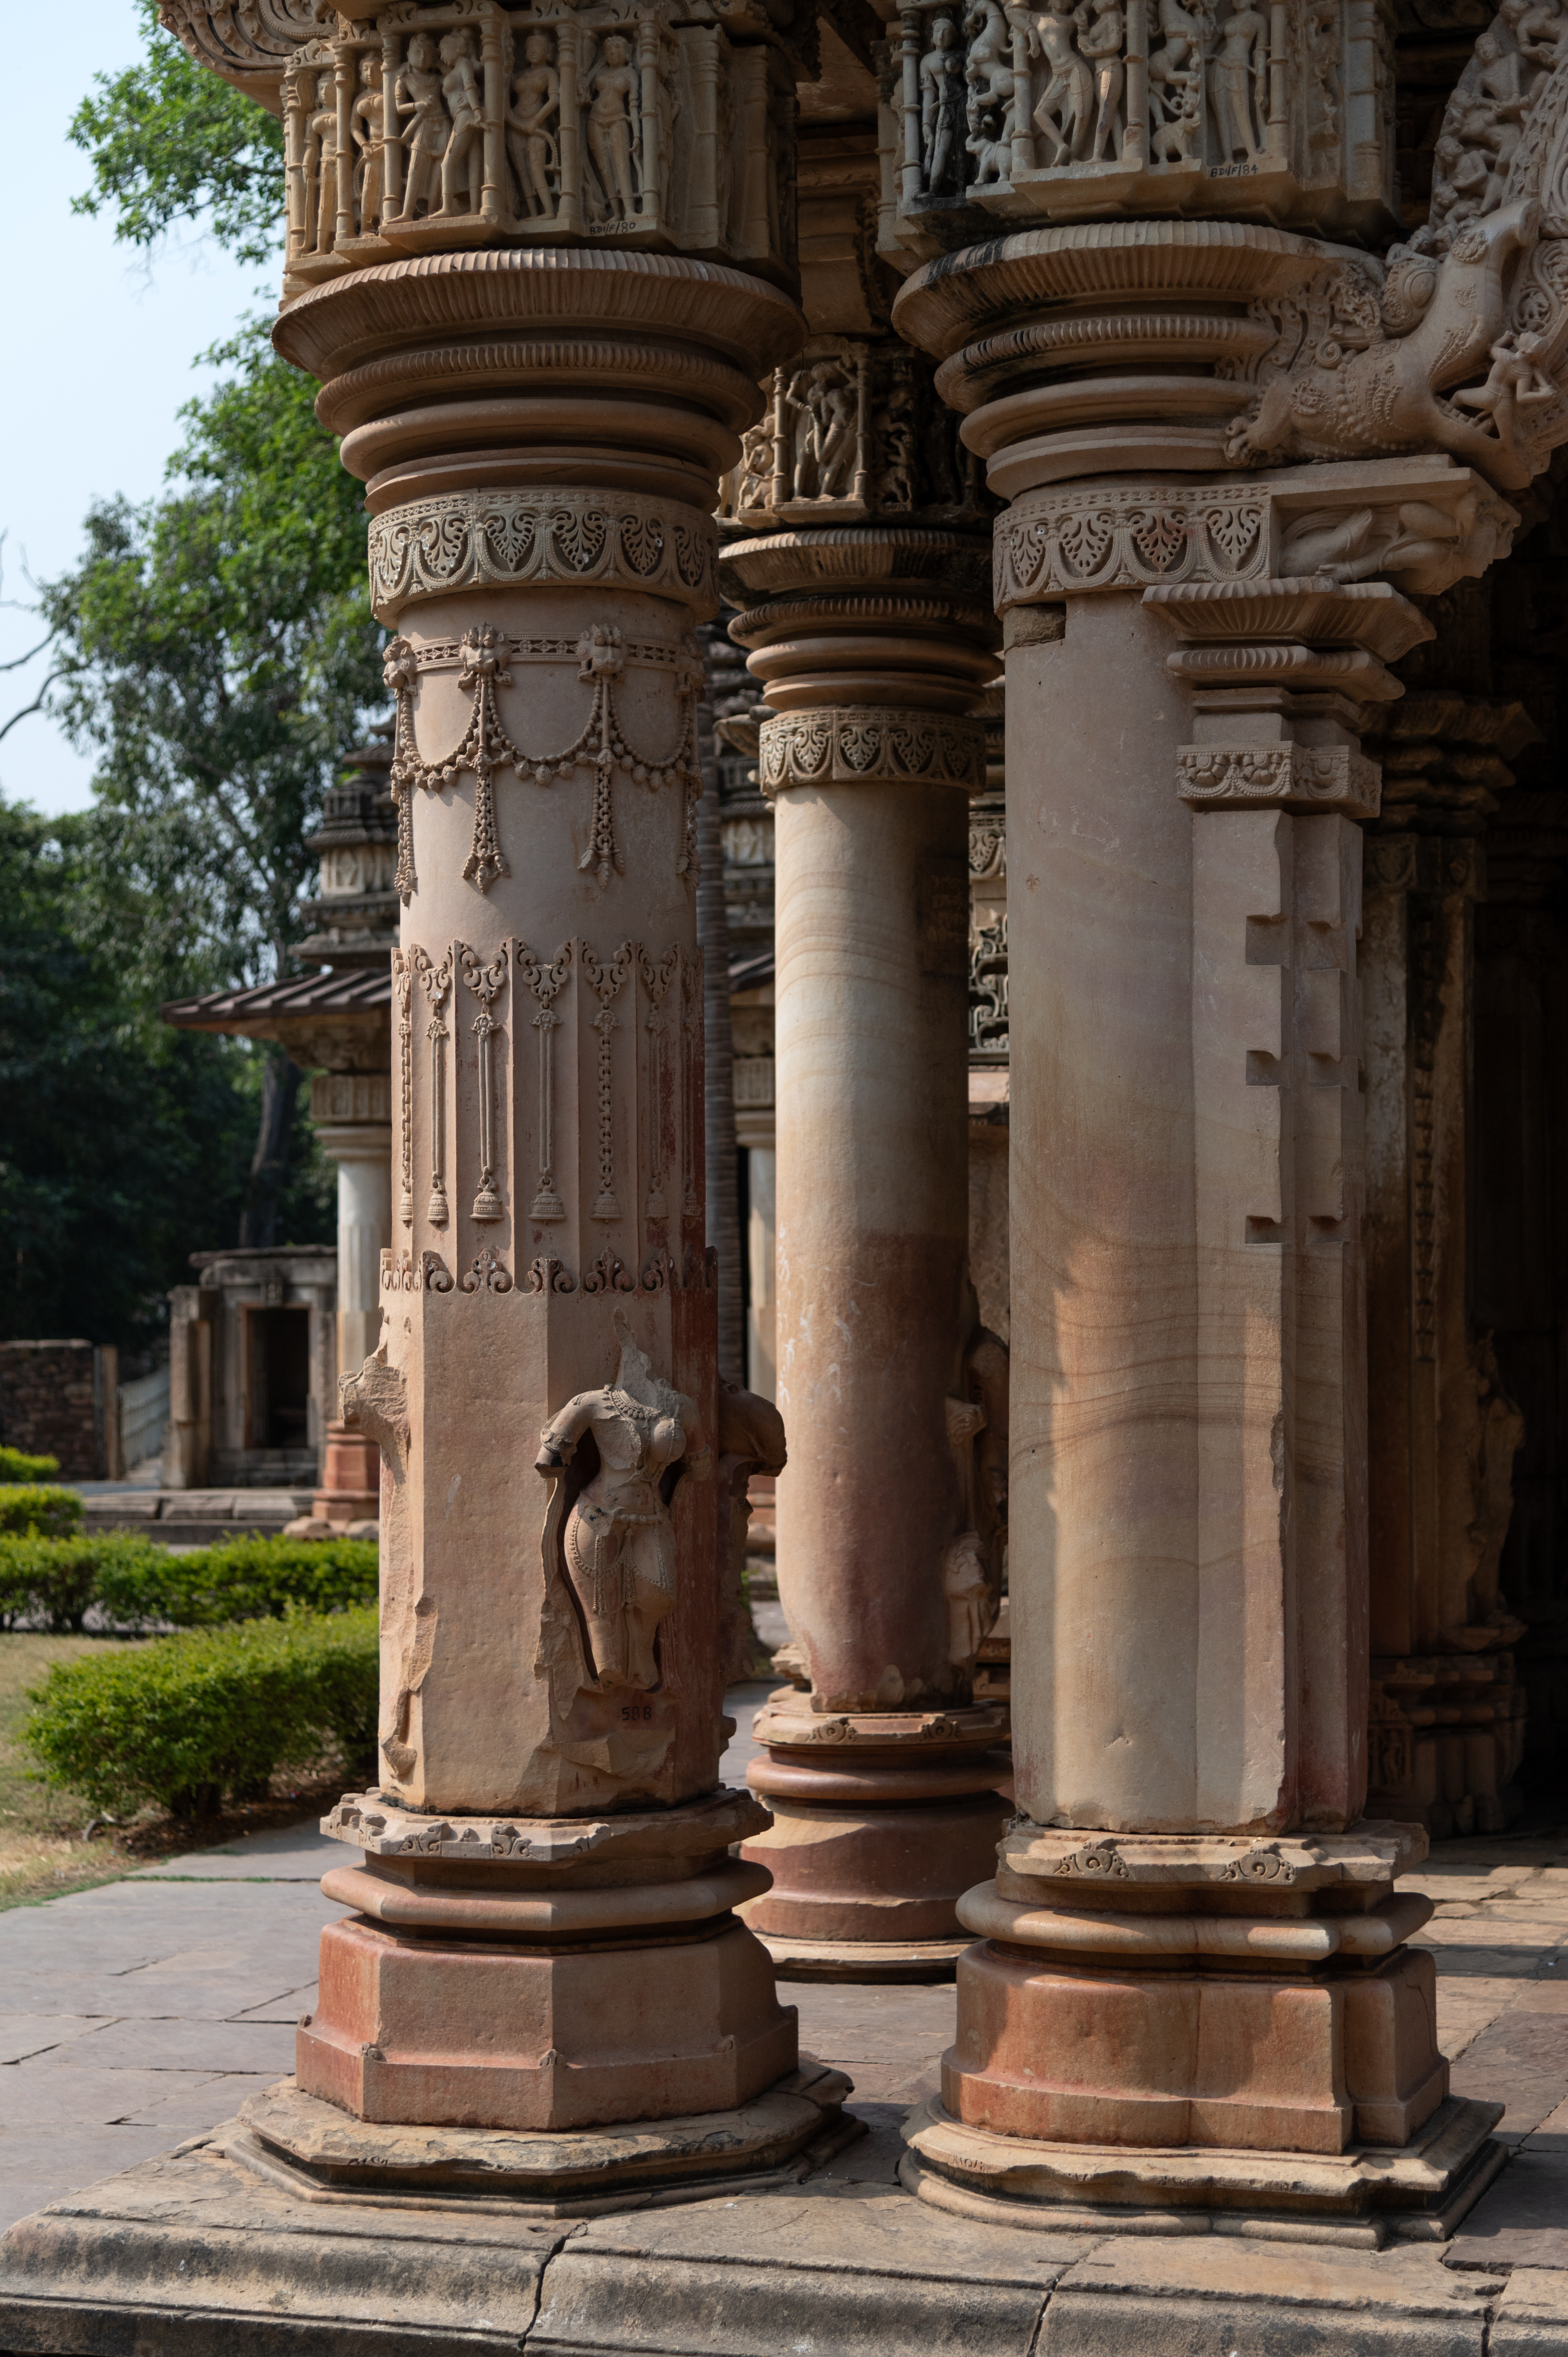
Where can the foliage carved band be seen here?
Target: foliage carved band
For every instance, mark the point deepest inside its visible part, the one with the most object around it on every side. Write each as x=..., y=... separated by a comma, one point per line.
x=860, y=743
x=1054, y=541
x=523, y=538
x=1300, y=777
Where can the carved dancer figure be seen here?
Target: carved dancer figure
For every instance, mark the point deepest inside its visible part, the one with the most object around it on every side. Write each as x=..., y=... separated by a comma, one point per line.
x=1066, y=112
x=619, y=1544
x=1101, y=31
x=893, y=427
x=368, y=125
x=416, y=92
x=1537, y=26
x=321, y=146
x=1239, y=72
x=1175, y=84
x=530, y=138
x=971, y=1611
x=462, y=162
x=987, y=66
x=615, y=138
x=1515, y=383
x=941, y=98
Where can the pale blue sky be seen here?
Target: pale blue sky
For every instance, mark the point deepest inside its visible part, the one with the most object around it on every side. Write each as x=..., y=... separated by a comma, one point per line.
x=102, y=341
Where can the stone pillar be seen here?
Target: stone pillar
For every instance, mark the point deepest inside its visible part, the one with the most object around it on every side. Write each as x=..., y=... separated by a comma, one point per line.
x=1192, y=1986
x=863, y=571
x=352, y=1115
x=1447, y=1720
x=543, y=1935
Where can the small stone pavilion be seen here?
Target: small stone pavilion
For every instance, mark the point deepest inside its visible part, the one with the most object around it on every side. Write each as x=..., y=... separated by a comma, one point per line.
x=1199, y=370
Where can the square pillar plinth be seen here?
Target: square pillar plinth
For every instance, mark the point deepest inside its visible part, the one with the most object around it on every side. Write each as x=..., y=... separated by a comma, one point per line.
x=1153, y=2023
x=510, y=2035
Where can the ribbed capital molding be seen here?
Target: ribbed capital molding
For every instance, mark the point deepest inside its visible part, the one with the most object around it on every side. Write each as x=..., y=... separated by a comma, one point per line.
x=861, y=745
x=530, y=538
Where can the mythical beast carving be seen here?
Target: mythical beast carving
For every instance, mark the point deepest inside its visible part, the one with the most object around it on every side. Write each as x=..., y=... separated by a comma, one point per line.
x=1459, y=342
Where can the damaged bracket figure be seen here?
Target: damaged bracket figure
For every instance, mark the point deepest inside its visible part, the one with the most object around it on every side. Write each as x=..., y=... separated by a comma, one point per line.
x=620, y=1546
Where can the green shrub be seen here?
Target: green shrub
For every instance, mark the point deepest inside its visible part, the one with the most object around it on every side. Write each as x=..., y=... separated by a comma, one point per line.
x=38, y=1510
x=239, y=1579
x=182, y=1721
x=15, y=1465
x=55, y=1581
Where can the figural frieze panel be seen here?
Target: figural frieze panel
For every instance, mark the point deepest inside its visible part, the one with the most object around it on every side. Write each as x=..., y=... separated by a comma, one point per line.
x=470, y=125
x=1017, y=113
x=855, y=430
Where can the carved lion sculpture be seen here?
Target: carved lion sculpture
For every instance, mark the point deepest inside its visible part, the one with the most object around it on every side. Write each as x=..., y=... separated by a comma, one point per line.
x=1387, y=397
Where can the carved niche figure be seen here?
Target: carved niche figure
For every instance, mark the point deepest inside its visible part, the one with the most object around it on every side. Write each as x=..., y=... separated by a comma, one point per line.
x=619, y=1540
x=615, y=133
x=893, y=428
x=1102, y=30
x=1240, y=84
x=321, y=168
x=987, y=66
x=1065, y=112
x=1176, y=86
x=532, y=124
x=368, y=125
x=417, y=93
x=463, y=157
x=942, y=107
x=823, y=398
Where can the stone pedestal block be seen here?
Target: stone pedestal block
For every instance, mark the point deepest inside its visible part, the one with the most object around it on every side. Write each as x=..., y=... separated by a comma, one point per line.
x=503, y=2034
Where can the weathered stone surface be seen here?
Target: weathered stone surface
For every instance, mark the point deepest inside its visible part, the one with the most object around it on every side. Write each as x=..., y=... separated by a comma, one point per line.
x=1532, y=2317
x=1209, y=2297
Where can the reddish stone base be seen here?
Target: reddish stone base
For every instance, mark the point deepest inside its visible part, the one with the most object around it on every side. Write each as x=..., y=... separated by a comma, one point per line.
x=451, y=2032
x=1313, y=2061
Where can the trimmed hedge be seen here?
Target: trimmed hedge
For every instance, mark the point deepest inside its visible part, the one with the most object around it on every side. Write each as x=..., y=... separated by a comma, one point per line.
x=187, y=1721
x=138, y=1585
x=15, y=1465
x=238, y=1579
x=38, y=1510
x=56, y=1581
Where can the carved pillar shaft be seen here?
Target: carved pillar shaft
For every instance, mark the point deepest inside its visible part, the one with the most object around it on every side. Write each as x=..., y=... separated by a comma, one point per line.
x=1188, y=678
x=544, y=1934
x=862, y=577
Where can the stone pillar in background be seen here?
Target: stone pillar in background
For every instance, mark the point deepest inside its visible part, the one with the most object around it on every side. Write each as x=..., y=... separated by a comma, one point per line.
x=354, y=926
x=544, y=1936
x=1194, y=1938
x=863, y=565
x=1447, y=1715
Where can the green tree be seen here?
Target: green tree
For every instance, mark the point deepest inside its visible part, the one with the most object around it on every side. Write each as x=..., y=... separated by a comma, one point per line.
x=124, y=1143
x=170, y=143
x=214, y=647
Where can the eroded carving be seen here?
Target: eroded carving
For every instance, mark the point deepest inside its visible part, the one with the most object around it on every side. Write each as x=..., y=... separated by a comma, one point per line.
x=617, y=1539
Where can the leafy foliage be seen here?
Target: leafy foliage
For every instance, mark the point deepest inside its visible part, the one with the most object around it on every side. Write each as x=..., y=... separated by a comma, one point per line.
x=15, y=1465
x=53, y=1582
x=240, y=1579
x=184, y=1721
x=124, y=1145
x=38, y=1510
x=215, y=648
x=170, y=143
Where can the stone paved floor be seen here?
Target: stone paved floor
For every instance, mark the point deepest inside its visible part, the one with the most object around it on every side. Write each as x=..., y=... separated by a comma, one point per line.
x=139, y=2013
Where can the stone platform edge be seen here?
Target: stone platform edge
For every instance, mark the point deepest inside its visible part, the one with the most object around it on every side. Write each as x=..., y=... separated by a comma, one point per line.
x=196, y=2248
